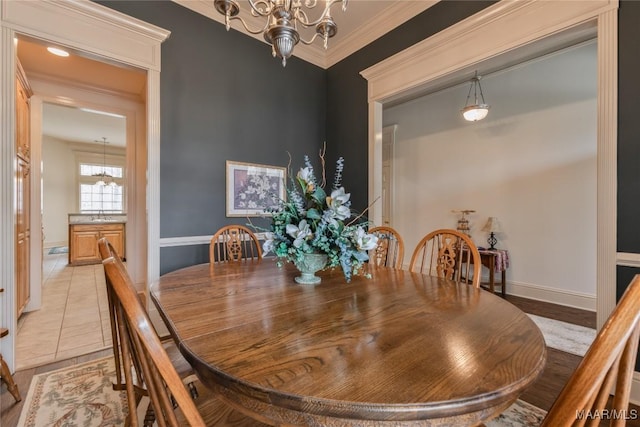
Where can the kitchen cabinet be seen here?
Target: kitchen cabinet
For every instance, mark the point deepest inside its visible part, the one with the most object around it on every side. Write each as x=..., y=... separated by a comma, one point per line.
x=83, y=241
x=22, y=192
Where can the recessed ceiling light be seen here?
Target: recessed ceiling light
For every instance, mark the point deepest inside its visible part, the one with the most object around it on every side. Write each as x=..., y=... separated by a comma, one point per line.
x=58, y=51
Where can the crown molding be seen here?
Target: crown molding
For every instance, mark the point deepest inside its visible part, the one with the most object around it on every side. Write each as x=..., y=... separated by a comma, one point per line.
x=395, y=14
x=391, y=17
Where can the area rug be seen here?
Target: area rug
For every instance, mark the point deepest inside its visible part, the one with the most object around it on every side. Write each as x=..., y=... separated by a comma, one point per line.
x=520, y=414
x=59, y=250
x=565, y=336
x=80, y=395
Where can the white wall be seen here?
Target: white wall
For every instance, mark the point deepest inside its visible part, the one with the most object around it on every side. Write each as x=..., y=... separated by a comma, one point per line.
x=531, y=163
x=58, y=190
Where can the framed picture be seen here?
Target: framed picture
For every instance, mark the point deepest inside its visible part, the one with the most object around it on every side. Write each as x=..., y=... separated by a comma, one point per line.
x=253, y=188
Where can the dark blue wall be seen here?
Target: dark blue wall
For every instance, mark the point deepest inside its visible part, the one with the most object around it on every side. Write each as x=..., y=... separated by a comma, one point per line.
x=223, y=97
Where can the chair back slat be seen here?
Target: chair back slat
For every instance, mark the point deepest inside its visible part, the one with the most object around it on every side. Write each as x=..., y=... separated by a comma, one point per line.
x=610, y=360
x=234, y=243
x=143, y=354
x=448, y=254
x=390, y=249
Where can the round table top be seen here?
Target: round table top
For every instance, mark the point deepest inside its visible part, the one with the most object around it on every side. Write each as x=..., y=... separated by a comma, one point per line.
x=397, y=346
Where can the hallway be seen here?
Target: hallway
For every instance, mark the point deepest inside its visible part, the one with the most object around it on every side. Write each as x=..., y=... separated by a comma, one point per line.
x=74, y=318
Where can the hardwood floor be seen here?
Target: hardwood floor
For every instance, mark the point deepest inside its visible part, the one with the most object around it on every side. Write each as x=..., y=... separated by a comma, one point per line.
x=559, y=365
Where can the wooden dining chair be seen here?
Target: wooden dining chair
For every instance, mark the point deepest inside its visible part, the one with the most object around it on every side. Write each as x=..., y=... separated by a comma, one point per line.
x=390, y=249
x=608, y=363
x=182, y=366
x=234, y=243
x=448, y=254
x=143, y=355
x=5, y=373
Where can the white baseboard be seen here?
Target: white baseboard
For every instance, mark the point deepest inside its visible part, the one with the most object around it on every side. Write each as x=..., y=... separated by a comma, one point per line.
x=552, y=295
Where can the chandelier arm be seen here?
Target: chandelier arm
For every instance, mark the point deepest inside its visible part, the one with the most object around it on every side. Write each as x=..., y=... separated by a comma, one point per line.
x=256, y=7
x=246, y=27
x=302, y=17
x=310, y=41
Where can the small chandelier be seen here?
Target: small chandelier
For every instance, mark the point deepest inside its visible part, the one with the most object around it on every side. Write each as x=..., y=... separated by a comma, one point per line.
x=105, y=178
x=282, y=18
x=477, y=110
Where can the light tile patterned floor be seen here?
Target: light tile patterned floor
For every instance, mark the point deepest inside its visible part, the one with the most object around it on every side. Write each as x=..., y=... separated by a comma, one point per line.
x=73, y=320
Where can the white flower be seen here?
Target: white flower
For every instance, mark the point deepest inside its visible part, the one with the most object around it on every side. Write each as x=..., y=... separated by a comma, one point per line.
x=269, y=243
x=306, y=175
x=365, y=241
x=299, y=232
x=336, y=203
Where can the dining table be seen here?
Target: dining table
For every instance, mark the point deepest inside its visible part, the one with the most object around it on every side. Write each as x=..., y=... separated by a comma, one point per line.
x=388, y=348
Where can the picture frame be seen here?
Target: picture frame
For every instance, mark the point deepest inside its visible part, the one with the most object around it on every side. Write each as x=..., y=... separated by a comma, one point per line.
x=252, y=188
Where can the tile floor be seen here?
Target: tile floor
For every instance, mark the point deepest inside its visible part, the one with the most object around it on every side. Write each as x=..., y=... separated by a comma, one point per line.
x=73, y=320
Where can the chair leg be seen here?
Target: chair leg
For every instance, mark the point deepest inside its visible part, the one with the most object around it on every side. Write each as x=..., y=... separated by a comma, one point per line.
x=5, y=376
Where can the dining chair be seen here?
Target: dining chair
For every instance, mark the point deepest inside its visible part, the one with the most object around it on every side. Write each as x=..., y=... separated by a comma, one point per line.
x=144, y=356
x=608, y=365
x=448, y=254
x=182, y=366
x=390, y=249
x=5, y=372
x=234, y=243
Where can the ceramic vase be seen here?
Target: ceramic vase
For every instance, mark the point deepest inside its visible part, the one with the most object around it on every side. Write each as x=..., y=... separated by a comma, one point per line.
x=308, y=266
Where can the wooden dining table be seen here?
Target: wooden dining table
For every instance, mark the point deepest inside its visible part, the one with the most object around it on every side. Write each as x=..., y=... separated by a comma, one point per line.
x=389, y=348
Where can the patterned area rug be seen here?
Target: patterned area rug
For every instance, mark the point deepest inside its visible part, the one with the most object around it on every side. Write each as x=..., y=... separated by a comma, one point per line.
x=521, y=414
x=79, y=395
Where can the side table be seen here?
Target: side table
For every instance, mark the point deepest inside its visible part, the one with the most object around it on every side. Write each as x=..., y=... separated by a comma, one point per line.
x=497, y=261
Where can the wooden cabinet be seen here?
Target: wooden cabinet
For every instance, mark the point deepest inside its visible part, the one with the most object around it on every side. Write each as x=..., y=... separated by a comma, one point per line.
x=83, y=241
x=23, y=145
x=22, y=192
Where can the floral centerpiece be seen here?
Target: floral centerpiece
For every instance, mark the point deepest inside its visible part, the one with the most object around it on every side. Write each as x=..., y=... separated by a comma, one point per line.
x=311, y=222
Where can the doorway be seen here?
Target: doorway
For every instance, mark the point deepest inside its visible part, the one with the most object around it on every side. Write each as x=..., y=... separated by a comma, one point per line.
x=74, y=118
x=510, y=28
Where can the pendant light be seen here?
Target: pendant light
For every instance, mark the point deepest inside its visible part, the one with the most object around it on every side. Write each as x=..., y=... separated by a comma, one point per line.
x=478, y=110
x=105, y=178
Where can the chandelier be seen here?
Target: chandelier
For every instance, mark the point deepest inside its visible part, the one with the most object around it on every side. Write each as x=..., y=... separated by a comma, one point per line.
x=104, y=177
x=477, y=109
x=282, y=19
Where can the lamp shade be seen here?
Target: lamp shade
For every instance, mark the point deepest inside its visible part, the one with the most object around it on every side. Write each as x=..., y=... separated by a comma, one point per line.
x=475, y=108
x=473, y=113
x=492, y=225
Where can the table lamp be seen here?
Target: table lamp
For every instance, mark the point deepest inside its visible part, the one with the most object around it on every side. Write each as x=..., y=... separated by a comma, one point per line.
x=492, y=226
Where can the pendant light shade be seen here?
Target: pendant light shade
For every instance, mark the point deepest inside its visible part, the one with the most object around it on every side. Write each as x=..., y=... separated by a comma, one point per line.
x=475, y=109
